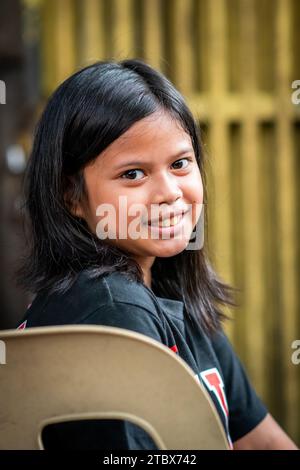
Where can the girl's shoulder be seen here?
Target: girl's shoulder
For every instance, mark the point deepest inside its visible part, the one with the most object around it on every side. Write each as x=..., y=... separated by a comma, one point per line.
x=86, y=295
x=121, y=288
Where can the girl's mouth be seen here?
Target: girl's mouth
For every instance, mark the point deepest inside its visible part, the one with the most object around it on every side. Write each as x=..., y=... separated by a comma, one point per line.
x=168, y=226
x=168, y=222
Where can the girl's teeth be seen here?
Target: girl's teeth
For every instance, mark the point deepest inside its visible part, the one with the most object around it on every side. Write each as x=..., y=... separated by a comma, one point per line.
x=165, y=223
x=169, y=222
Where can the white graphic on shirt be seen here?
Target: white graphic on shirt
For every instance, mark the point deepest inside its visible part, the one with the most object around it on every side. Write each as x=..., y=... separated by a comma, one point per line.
x=22, y=326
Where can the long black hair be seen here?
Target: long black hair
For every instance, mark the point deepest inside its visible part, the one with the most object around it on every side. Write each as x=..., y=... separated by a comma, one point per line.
x=85, y=114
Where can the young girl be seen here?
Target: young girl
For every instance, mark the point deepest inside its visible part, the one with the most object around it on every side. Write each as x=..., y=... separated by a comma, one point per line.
x=113, y=136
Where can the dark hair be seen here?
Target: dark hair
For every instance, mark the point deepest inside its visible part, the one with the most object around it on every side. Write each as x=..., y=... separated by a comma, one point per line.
x=86, y=113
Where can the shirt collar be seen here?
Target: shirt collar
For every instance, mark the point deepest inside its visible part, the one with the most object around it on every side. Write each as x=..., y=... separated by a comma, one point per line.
x=172, y=307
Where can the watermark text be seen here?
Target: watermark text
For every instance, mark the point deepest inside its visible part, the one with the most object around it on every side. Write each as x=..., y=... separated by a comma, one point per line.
x=2, y=92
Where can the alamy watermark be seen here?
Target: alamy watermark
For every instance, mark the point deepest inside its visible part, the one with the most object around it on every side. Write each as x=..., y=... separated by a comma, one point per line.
x=2, y=92
x=296, y=94
x=2, y=352
x=295, y=357
x=160, y=222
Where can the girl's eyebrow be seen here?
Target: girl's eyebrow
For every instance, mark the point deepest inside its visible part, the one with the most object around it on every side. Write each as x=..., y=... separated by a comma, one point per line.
x=142, y=162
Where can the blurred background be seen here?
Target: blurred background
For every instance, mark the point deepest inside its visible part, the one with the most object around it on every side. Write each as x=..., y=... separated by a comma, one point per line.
x=235, y=62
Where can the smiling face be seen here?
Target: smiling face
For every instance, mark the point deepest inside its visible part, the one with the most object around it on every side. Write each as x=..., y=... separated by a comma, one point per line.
x=152, y=164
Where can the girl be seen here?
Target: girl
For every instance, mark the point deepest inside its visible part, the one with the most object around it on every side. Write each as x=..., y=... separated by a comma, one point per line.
x=114, y=135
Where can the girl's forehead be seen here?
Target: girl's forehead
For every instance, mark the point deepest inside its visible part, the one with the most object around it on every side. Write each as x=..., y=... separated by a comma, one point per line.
x=155, y=131
x=158, y=123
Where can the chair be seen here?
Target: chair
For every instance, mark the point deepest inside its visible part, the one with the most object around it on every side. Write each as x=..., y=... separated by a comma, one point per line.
x=116, y=373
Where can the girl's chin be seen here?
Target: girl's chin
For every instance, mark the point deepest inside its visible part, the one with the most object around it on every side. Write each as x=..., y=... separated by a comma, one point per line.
x=162, y=248
x=166, y=248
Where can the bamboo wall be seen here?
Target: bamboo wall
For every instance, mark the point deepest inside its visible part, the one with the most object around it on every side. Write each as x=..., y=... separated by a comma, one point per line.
x=234, y=61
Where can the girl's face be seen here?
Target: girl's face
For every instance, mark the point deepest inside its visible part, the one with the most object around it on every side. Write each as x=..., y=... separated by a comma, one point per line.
x=152, y=164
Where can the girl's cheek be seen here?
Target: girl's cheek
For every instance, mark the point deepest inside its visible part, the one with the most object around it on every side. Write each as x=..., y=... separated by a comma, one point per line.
x=195, y=189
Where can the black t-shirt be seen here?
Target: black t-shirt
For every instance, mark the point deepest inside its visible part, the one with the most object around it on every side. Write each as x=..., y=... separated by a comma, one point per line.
x=115, y=300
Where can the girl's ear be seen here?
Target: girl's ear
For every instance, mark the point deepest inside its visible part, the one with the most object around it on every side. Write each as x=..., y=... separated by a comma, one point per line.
x=71, y=200
x=75, y=208
x=77, y=211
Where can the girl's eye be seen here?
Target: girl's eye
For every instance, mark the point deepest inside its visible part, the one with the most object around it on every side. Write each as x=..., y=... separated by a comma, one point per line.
x=178, y=163
x=131, y=174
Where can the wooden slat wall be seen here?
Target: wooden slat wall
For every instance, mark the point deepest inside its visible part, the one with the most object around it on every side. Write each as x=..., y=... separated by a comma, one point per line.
x=234, y=60
x=220, y=171
x=286, y=210
x=92, y=31
x=252, y=188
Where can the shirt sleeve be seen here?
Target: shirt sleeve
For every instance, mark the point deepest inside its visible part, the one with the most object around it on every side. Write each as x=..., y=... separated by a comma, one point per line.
x=246, y=409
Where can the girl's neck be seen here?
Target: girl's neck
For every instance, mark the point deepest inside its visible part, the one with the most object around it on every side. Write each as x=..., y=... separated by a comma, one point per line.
x=146, y=264
x=147, y=278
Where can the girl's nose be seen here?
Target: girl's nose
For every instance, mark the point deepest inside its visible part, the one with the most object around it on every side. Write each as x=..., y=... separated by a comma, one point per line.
x=166, y=190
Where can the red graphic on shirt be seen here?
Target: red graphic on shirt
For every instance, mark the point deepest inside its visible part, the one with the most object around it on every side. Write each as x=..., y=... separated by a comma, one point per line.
x=174, y=348
x=214, y=383
x=22, y=326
